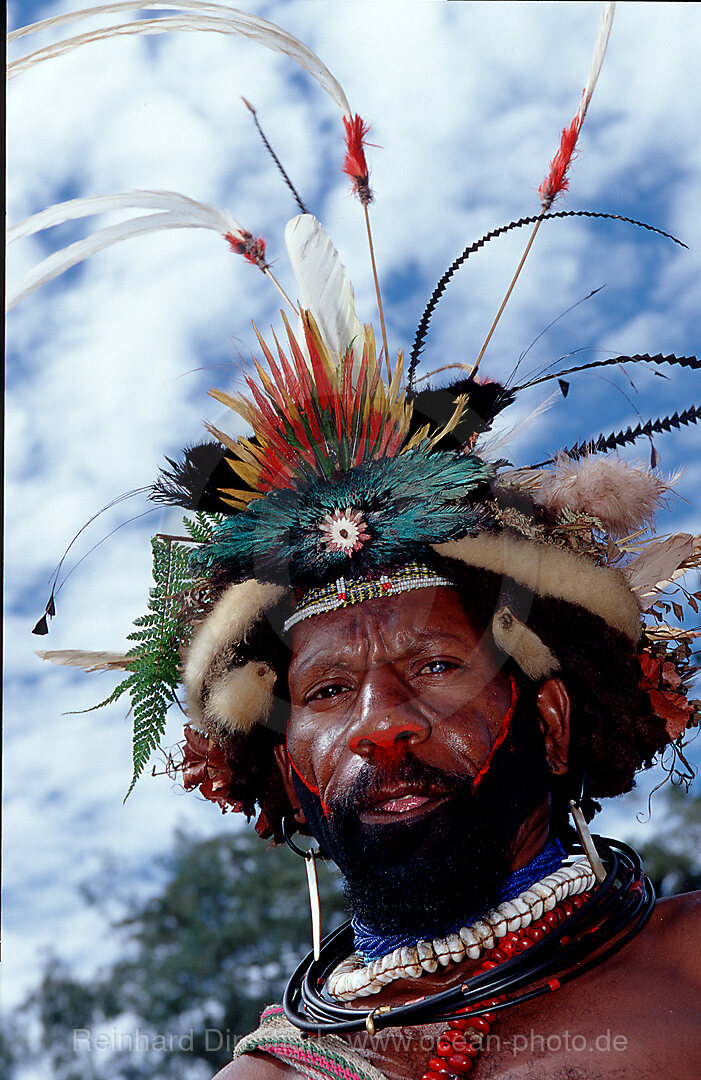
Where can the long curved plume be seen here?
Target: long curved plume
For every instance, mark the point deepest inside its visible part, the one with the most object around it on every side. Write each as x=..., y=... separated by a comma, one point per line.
x=323, y=286
x=205, y=17
x=172, y=211
x=427, y=314
x=198, y=15
x=201, y=215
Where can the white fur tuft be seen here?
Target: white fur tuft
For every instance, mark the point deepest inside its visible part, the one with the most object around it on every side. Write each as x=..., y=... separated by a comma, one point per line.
x=230, y=620
x=241, y=699
x=551, y=571
x=524, y=646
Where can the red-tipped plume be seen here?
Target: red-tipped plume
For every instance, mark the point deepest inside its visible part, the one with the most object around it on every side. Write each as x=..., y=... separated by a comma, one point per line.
x=556, y=180
x=246, y=244
x=355, y=164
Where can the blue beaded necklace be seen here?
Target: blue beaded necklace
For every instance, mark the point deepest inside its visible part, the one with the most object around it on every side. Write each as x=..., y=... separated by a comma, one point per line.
x=370, y=944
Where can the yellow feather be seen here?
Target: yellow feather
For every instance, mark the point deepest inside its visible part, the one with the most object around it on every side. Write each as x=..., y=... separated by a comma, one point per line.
x=237, y=404
x=397, y=376
x=240, y=494
x=460, y=406
x=248, y=473
x=417, y=437
x=230, y=443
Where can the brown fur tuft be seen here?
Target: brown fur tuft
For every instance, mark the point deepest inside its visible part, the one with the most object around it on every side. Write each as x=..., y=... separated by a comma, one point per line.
x=623, y=497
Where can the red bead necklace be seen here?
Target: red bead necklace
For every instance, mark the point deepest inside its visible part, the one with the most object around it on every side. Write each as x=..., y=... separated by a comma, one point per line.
x=459, y=1046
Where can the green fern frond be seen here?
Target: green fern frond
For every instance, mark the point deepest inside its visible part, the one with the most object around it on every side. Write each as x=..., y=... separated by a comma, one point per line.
x=109, y=700
x=154, y=668
x=201, y=529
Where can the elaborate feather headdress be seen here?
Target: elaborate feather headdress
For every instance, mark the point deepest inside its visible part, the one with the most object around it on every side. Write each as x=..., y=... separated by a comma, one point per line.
x=354, y=483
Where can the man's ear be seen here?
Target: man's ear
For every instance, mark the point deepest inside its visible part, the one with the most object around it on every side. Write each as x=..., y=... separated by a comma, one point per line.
x=282, y=760
x=553, y=708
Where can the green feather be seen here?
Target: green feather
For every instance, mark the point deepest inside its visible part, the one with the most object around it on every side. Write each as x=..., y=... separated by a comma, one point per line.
x=407, y=503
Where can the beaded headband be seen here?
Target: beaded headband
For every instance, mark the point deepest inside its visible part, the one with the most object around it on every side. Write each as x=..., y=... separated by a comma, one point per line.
x=342, y=593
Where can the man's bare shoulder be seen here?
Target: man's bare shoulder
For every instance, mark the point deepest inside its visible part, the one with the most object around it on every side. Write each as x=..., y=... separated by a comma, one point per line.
x=678, y=910
x=257, y=1066
x=676, y=922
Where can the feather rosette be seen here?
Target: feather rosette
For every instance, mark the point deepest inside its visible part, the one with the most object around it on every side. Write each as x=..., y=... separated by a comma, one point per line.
x=393, y=510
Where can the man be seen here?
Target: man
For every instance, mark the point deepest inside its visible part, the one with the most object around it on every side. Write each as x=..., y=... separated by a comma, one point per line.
x=397, y=706
x=429, y=716
x=395, y=643
x=424, y=659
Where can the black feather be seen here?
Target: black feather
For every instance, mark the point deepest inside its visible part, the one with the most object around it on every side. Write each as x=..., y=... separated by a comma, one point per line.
x=485, y=401
x=195, y=480
x=692, y=362
x=604, y=443
x=422, y=328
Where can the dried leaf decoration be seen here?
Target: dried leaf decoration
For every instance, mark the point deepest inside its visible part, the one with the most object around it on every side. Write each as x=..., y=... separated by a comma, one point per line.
x=664, y=686
x=205, y=766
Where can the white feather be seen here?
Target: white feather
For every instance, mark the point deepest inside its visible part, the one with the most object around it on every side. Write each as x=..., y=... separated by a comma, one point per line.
x=174, y=211
x=212, y=18
x=489, y=444
x=62, y=260
x=602, y=40
x=660, y=564
x=199, y=214
x=323, y=286
x=89, y=661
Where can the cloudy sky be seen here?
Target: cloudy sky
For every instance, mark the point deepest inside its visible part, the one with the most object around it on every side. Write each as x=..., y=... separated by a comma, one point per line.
x=108, y=367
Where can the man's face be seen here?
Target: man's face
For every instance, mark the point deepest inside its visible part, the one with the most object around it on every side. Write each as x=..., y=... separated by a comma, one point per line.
x=401, y=738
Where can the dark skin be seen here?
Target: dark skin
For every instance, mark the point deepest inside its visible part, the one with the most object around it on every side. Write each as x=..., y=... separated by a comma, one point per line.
x=415, y=673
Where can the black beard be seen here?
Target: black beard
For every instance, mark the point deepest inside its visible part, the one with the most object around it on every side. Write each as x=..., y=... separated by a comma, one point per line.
x=426, y=876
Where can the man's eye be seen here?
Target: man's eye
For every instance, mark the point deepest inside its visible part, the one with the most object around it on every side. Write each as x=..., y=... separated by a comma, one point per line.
x=325, y=692
x=437, y=667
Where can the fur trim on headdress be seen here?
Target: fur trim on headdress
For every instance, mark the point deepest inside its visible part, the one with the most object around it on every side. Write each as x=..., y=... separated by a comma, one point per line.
x=520, y=643
x=623, y=497
x=550, y=571
x=228, y=624
x=241, y=699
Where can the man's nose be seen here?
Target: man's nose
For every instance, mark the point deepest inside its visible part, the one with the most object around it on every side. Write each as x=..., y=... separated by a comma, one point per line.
x=387, y=718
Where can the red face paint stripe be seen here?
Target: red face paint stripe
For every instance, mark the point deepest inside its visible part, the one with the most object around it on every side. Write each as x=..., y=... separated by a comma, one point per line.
x=503, y=732
x=310, y=787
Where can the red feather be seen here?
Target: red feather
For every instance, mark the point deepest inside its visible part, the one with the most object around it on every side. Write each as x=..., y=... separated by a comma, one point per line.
x=374, y=425
x=556, y=180
x=323, y=386
x=246, y=244
x=354, y=164
x=293, y=383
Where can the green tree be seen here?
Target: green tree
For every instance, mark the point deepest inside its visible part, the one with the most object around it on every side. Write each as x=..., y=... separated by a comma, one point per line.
x=13, y=1047
x=201, y=960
